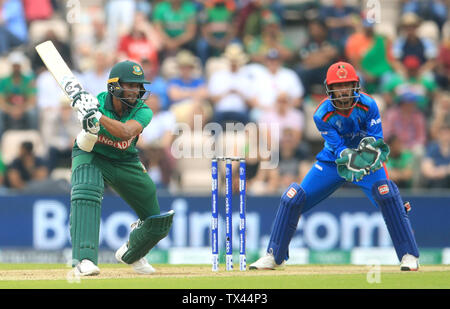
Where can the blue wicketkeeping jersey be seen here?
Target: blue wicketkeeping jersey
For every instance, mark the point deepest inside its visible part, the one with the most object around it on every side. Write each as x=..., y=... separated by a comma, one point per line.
x=341, y=131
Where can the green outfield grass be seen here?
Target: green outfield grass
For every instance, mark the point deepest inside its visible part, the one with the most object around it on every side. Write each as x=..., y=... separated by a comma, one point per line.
x=115, y=276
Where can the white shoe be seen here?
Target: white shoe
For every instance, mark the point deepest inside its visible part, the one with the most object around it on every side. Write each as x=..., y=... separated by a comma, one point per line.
x=141, y=266
x=86, y=268
x=409, y=263
x=266, y=262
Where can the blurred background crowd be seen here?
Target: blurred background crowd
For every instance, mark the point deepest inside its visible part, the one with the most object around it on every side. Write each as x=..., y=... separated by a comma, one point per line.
x=226, y=61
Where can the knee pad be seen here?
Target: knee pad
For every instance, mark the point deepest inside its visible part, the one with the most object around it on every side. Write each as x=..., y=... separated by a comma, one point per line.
x=286, y=221
x=85, y=212
x=387, y=196
x=146, y=235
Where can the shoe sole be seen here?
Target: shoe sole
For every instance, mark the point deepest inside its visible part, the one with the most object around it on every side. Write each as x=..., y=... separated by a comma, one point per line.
x=144, y=273
x=256, y=268
x=404, y=268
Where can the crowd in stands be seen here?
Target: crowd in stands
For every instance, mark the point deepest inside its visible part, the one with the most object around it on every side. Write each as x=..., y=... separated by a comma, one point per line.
x=227, y=61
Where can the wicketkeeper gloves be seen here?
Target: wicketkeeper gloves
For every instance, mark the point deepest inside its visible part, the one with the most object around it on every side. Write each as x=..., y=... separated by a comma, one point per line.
x=354, y=164
x=374, y=151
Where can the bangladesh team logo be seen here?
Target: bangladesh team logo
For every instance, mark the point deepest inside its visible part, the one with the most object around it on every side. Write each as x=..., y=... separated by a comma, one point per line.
x=137, y=70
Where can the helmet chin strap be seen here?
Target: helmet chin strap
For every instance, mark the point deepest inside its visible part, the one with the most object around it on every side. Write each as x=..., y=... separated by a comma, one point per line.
x=126, y=103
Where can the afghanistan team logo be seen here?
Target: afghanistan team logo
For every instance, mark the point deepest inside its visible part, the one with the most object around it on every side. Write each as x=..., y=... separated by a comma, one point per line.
x=341, y=72
x=137, y=70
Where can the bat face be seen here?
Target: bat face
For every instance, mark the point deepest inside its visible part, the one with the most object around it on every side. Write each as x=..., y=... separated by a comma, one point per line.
x=68, y=83
x=58, y=68
x=71, y=86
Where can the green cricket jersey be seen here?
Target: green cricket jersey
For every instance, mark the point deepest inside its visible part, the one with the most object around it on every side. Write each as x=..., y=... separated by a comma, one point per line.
x=113, y=147
x=173, y=21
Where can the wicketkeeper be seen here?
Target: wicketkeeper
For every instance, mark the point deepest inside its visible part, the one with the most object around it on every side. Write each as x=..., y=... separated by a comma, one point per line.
x=115, y=118
x=354, y=151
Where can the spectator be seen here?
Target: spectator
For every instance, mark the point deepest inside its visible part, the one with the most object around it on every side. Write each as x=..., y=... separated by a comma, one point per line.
x=435, y=10
x=436, y=163
x=158, y=85
x=13, y=28
x=250, y=16
x=318, y=53
x=293, y=165
x=48, y=94
x=273, y=79
x=158, y=165
x=37, y=9
x=410, y=44
x=217, y=28
x=27, y=167
x=87, y=42
x=284, y=116
x=187, y=93
x=119, y=17
x=370, y=53
x=155, y=144
x=161, y=128
x=407, y=123
x=442, y=71
x=18, y=97
x=142, y=42
x=422, y=86
x=340, y=21
x=271, y=37
x=59, y=131
x=441, y=110
x=230, y=90
x=63, y=48
x=2, y=171
x=400, y=164
x=95, y=79
x=175, y=21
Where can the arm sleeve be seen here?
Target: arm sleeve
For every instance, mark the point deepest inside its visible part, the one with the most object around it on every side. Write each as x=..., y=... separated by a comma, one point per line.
x=143, y=116
x=333, y=141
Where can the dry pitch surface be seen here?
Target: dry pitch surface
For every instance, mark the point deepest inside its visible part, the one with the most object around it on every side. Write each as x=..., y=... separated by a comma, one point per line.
x=201, y=277
x=123, y=272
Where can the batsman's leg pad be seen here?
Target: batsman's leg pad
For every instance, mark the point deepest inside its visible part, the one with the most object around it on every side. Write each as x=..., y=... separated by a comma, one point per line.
x=286, y=221
x=387, y=196
x=146, y=235
x=85, y=210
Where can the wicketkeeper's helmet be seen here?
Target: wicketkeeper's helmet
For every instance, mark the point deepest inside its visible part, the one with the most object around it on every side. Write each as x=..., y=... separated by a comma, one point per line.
x=342, y=72
x=127, y=72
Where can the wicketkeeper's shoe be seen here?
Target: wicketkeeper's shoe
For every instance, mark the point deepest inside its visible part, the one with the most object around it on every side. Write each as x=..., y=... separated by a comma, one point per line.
x=141, y=266
x=86, y=268
x=266, y=262
x=409, y=263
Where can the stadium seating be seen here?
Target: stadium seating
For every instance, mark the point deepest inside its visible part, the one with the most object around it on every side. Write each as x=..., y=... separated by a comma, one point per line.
x=12, y=139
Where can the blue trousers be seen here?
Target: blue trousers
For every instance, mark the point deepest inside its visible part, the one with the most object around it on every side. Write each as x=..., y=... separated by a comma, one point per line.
x=322, y=180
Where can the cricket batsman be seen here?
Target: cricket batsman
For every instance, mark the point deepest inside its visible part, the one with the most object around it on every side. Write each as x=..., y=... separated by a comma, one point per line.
x=354, y=151
x=116, y=118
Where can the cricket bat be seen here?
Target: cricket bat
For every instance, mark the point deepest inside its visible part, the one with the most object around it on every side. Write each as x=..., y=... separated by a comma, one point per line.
x=68, y=83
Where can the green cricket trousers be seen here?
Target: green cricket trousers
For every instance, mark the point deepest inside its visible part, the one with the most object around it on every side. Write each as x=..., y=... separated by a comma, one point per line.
x=90, y=172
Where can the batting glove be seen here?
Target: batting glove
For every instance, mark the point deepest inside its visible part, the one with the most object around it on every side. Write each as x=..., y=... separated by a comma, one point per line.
x=84, y=101
x=91, y=121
